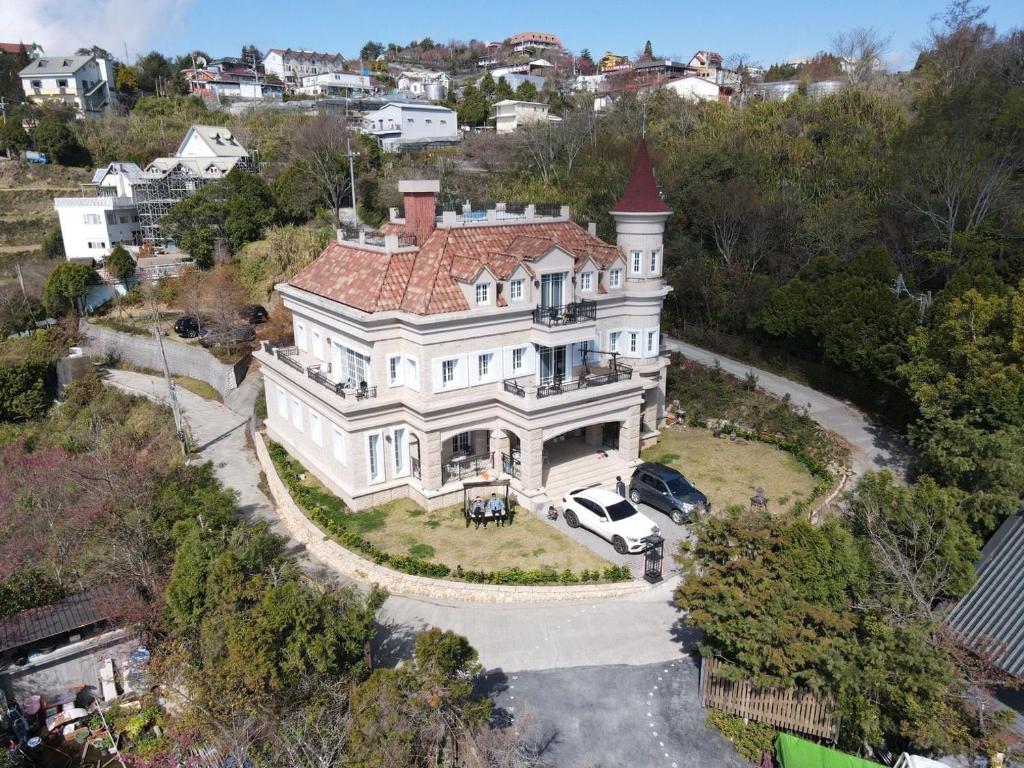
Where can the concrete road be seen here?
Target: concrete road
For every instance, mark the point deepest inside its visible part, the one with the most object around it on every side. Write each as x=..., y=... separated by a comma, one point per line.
x=874, y=445
x=611, y=716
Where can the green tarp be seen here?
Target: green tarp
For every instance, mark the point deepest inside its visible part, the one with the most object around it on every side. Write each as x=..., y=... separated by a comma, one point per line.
x=791, y=752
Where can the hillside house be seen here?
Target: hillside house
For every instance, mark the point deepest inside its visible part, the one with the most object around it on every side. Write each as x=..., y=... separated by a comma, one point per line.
x=510, y=115
x=509, y=341
x=405, y=125
x=83, y=83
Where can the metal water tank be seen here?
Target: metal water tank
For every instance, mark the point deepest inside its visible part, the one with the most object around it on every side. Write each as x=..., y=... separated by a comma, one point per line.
x=436, y=91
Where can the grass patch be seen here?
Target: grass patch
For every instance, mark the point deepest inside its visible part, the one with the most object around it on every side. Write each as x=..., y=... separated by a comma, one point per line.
x=438, y=543
x=198, y=387
x=424, y=551
x=528, y=542
x=729, y=471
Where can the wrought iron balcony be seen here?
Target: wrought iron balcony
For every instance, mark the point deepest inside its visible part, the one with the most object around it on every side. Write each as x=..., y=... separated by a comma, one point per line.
x=316, y=375
x=566, y=314
x=288, y=356
x=585, y=377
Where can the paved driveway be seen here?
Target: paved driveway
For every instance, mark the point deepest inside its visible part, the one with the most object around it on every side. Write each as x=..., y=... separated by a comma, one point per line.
x=874, y=445
x=587, y=672
x=611, y=716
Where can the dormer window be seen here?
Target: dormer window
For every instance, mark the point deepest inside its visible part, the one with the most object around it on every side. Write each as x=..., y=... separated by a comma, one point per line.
x=586, y=282
x=483, y=294
x=515, y=290
x=615, y=278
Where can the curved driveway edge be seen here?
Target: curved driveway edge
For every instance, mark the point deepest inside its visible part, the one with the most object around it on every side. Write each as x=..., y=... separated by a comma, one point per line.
x=352, y=566
x=874, y=446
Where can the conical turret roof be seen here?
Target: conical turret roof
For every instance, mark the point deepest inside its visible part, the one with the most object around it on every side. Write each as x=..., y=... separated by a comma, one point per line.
x=641, y=195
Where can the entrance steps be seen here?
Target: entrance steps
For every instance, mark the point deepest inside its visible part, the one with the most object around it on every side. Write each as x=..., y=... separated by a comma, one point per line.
x=584, y=470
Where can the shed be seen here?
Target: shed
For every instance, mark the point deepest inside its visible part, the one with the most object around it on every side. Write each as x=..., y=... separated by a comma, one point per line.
x=23, y=629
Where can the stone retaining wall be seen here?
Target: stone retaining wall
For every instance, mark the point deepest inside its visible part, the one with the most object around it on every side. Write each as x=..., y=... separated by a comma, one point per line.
x=351, y=565
x=144, y=352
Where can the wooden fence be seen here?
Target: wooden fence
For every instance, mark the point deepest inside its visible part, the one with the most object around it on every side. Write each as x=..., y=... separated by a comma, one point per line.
x=792, y=709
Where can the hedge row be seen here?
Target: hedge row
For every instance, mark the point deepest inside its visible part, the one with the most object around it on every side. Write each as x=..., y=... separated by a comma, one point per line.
x=328, y=511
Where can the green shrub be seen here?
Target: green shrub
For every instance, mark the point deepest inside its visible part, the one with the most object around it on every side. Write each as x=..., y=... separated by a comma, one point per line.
x=328, y=511
x=750, y=739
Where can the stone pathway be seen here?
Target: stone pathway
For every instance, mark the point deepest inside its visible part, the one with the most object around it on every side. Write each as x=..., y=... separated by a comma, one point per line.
x=874, y=445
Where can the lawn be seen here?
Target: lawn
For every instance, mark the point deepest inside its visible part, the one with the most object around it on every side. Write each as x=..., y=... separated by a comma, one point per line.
x=728, y=472
x=404, y=528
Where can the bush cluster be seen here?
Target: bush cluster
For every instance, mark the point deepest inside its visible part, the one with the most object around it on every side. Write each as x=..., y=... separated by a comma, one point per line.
x=328, y=511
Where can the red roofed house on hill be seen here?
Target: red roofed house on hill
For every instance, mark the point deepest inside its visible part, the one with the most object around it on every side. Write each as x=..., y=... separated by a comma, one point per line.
x=508, y=342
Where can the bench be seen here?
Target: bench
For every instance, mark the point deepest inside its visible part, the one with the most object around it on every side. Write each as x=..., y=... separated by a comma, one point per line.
x=486, y=516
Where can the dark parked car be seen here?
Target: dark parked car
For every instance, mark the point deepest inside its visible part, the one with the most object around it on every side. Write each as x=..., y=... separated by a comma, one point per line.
x=219, y=337
x=667, y=490
x=255, y=313
x=187, y=326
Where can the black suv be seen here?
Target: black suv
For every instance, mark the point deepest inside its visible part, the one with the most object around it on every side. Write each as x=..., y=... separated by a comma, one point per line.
x=187, y=327
x=255, y=313
x=667, y=490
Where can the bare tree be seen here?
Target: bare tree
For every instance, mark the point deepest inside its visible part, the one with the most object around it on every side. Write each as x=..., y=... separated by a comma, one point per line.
x=314, y=736
x=960, y=44
x=322, y=144
x=959, y=183
x=861, y=50
x=911, y=557
x=740, y=223
x=553, y=147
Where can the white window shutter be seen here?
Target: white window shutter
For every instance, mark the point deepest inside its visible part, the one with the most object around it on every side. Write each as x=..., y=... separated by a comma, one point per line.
x=436, y=372
x=412, y=373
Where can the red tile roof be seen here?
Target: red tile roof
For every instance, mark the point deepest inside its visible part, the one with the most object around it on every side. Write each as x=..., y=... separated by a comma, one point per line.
x=425, y=282
x=641, y=195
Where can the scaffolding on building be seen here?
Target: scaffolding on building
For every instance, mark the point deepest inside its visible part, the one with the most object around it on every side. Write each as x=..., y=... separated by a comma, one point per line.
x=157, y=194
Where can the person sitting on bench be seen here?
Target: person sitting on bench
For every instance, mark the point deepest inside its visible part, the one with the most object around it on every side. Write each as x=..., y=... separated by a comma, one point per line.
x=495, y=508
x=476, y=511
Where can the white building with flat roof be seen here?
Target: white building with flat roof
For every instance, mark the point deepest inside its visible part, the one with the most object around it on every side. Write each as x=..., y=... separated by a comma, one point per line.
x=400, y=125
x=510, y=115
x=92, y=225
x=510, y=342
x=336, y=84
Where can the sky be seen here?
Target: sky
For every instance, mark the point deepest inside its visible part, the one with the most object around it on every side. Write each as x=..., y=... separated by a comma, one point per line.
x=764, y=32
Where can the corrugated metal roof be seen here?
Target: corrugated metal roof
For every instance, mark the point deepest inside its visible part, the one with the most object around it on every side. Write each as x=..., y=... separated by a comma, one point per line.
x=991, y=616
x=71, y=613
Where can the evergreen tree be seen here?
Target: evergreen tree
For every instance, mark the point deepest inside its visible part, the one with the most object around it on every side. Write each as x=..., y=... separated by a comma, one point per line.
x=503, y=90
x=527, y=91
x=487, y=86
x=648, y=54
x=473, y=107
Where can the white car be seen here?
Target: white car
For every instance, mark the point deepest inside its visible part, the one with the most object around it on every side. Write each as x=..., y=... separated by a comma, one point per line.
x=610, y=516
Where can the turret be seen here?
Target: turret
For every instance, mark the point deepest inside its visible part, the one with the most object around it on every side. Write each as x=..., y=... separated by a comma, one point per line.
x=640, y=217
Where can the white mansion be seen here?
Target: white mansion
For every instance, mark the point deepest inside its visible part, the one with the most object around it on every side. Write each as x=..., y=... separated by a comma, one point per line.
x=504, y=343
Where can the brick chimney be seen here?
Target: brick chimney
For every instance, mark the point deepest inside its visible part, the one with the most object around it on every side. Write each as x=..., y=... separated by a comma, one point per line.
x=419, y=200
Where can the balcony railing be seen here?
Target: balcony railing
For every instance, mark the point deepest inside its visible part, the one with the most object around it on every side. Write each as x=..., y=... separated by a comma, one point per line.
x=317, y=375
x=461, y=467
x=288, y=355
x=566, y=314
x=618, y=372
x=513, y=387
x=585, y=378
x=511, y=465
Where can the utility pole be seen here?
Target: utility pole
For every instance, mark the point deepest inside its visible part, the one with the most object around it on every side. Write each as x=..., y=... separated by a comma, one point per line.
x=179, y=419
x=351, y=170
